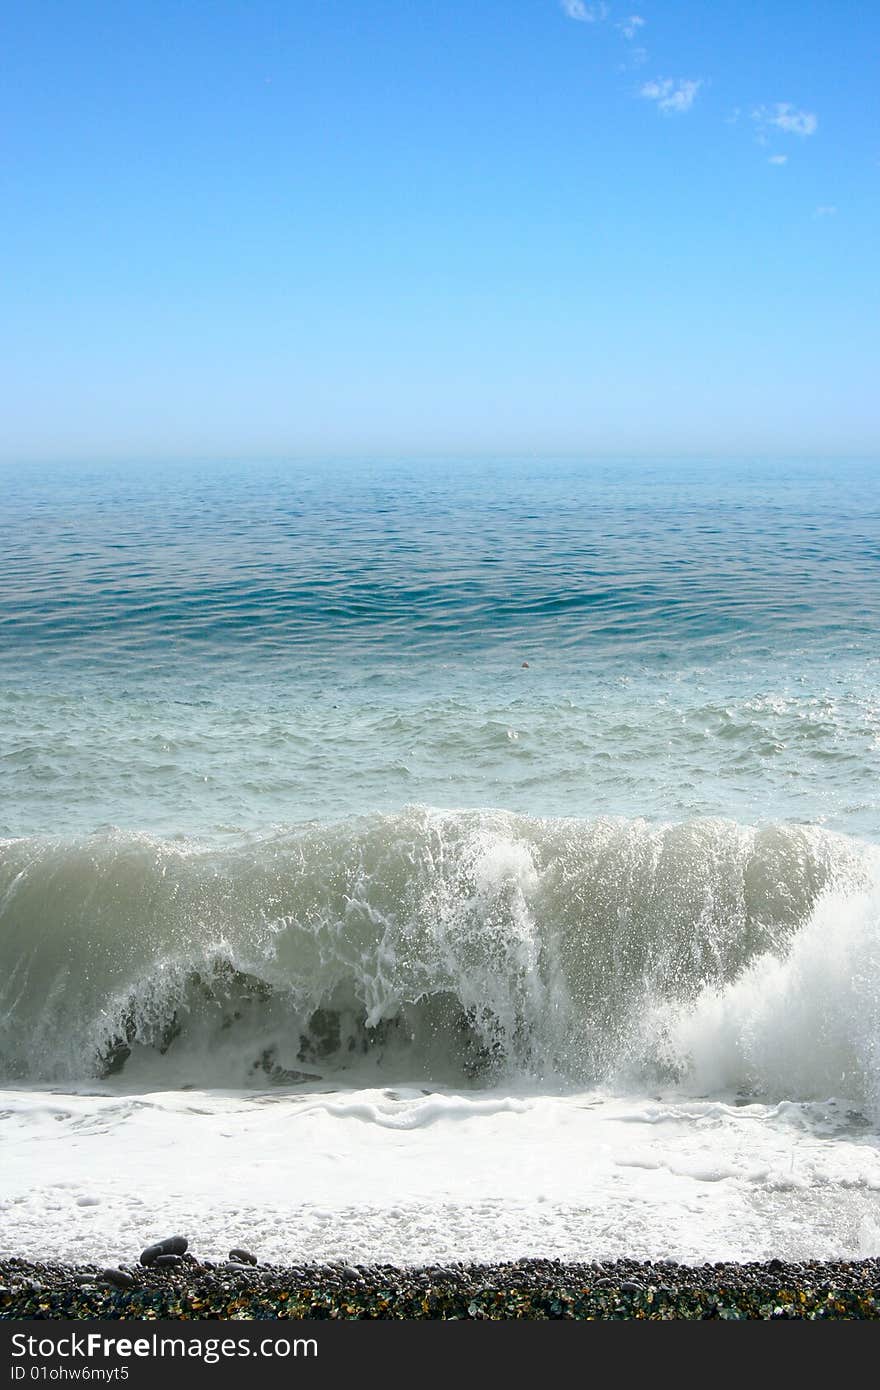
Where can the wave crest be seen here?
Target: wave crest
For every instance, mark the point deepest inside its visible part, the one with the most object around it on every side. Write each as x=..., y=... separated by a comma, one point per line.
x=462, y=946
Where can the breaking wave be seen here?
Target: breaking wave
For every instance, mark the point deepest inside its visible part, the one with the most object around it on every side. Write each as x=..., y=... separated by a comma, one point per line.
x=462, y=947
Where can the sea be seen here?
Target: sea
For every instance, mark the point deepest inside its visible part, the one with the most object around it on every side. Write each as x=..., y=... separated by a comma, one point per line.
x=441, y=860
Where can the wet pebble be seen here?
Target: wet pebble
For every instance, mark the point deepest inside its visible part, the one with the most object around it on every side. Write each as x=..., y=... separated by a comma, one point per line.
x=534, y=1289
x=171, y=1245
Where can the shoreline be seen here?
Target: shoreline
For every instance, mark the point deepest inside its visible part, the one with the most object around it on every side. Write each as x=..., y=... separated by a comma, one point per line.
x=530, y=1289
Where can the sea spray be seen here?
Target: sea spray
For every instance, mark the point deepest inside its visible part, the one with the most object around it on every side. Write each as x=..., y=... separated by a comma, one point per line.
x=803, y=1023
x=466, y=946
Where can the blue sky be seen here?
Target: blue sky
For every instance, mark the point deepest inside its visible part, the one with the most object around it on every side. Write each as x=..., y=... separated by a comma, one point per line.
x=329, y=227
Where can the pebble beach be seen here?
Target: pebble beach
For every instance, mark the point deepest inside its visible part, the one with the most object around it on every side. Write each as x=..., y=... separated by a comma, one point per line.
x=530, y=1289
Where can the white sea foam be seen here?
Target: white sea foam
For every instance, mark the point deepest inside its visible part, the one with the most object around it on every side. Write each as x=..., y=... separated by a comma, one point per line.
x=408, y=1177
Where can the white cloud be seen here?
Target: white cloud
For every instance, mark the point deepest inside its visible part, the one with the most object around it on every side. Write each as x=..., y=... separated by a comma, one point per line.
x=630, y=27
x=778, y=159
x=786, y=117
x=825, y=210
x=587, y=14
x=671, y=95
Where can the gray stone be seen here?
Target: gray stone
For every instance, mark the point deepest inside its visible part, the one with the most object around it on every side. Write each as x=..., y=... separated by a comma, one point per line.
x=172, y=1245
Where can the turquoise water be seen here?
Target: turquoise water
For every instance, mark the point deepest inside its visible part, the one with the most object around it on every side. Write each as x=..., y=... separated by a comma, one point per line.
x=191, y=649
x=500, y=759
x=667, y=563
